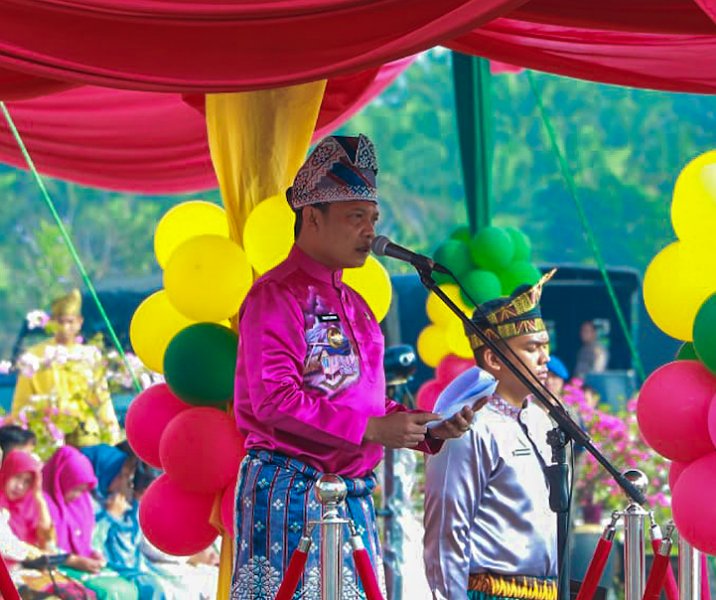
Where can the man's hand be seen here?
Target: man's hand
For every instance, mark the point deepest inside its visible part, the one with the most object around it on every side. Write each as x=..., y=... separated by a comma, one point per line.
x=458, y=424
x=399, y=430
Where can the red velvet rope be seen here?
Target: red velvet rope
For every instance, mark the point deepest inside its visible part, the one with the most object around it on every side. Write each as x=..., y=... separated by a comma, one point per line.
x=595, y=570
x=293, y=575
x=705, y=589
x=8, y=591
x=367, y=575
x=657, y=577
x=669, y=583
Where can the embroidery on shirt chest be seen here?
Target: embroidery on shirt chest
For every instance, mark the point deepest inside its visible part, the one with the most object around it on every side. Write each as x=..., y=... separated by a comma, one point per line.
x=331, y=361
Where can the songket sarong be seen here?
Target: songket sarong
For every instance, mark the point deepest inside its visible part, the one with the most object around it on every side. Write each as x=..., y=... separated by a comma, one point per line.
x=274, y=502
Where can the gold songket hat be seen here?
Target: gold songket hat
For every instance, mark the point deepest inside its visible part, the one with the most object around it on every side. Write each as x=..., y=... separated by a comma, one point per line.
x=68, y=305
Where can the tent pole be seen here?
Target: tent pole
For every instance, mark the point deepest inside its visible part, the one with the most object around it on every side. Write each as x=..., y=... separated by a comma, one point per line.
x=471, y=80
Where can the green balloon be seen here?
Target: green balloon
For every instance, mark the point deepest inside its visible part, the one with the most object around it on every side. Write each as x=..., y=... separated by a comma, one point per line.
x=200, y=362
x=705, y=333
x=481, y=285
x=522, y=244
x=686, y=352
x=518, y=273
x=492, y=249
x=454, y=255
x=461, y=234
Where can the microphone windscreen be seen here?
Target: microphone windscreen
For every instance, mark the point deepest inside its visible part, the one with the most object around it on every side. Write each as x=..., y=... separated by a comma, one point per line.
x=379, y=244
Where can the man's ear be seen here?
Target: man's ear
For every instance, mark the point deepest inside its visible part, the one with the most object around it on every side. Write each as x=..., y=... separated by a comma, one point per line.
x=491, y=361
x=311, y=217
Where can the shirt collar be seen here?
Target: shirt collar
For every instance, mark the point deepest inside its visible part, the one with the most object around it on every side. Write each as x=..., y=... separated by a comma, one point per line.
x=315, y=269
x=505, y=408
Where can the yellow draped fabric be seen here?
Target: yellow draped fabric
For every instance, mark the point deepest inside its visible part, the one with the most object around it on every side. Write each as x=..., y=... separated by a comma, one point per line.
x=258, y=140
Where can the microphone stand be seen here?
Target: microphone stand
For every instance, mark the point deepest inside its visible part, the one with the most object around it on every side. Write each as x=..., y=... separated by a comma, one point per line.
x=557, y=474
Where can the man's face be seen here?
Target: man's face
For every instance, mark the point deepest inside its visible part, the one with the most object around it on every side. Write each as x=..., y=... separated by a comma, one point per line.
x=588, y=333
x=68, y=327
x=533, y=351
x=343, y=234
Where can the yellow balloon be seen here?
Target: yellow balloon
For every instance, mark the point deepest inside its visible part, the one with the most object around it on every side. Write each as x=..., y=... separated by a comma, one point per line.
x=268, y=233
x=373, y=283
x=432, y=345
x=693, y=208
x=184, y=221
x=207, y=278
x=457, y=341
x=676, y=283
x=153, y=325
x=440, y=314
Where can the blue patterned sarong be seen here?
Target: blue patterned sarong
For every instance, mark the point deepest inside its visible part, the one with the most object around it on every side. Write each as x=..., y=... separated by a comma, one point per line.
x=274, y=502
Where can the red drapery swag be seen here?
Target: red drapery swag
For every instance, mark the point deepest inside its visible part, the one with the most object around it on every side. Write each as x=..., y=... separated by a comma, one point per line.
x=133, y=139
x=148, y=142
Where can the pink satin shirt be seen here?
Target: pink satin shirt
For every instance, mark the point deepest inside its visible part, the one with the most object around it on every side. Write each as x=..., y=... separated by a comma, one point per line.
x=310, y=368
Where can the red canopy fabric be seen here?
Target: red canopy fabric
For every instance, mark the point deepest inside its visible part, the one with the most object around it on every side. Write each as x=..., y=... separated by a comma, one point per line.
x=150, y=142
x=638, y=16
x=224, y=45
x=147, y=142
x=676, y=63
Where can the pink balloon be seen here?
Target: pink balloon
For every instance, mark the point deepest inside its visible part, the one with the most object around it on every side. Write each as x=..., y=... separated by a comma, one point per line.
x=174, y=520
x=201, y=449
x=693, y=506
x=451, y=366
x=428, y=394
x=673, y=410
x=675, y=470
x=147, y=417
x=227, y=508
x=712, y=420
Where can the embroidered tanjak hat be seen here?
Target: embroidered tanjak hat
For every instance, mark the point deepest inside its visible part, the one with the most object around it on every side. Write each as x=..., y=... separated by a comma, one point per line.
x=510, y=316
x=68, y=305
x=340, y=169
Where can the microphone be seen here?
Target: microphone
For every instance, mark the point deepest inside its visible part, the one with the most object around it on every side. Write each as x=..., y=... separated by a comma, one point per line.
x=382, y=246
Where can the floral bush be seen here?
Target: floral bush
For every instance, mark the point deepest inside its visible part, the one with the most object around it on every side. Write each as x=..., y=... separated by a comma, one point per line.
x=617, y=436
x=95, y=372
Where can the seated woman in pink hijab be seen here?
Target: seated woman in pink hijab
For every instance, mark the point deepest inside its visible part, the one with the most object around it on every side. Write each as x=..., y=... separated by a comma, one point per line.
x=25, y=510
x=68, y=478
x=21, y=497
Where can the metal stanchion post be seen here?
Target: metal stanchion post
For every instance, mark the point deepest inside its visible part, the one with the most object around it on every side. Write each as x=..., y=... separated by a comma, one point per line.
x=331, y=492
x=689, y=571
x=634, y=551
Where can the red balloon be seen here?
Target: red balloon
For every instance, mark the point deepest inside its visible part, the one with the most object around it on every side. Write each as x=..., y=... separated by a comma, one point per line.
x=693, y=506
x=712, y=420
x=147, y=417
x=673, y=410
x=174, y=520
x=201, y=449
x=675, y=470
x=428, y=394
x=451, y=366
x=227, y=508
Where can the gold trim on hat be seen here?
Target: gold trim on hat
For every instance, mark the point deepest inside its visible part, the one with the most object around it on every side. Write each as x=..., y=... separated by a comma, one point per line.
x=508, y=330
x=521, y=304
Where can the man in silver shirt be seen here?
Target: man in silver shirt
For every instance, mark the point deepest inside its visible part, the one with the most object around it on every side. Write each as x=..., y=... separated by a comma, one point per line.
x=489, y=530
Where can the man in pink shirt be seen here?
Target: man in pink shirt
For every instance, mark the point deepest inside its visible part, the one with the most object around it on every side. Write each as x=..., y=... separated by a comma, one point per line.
x=310, y=388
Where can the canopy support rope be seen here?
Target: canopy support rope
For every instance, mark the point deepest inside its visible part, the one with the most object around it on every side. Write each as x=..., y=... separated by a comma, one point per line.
x=587, y=230
x=68, y=242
